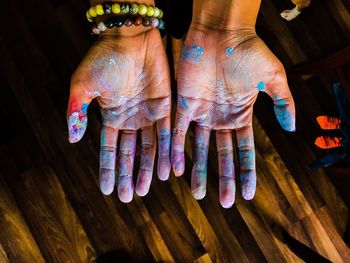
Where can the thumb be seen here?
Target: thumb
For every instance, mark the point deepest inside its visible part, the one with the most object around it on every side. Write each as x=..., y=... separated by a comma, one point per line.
x=284, y=107
x=79, y=100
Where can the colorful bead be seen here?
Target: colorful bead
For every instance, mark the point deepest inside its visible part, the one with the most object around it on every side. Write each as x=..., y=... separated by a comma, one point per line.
x=156, y=12
x=150, y=11
x=92, y=12
x=145, y=21
x=134, y=9
x=137, y=21
x=116, y=8
x=89, y=17
x=101, y=26
x=161, y=24
x=160, y=13
x=124, y=9
x=107, y=8
x=95, y=30
x=142, y=9
x=118, y=22
x=99, y=10
x=109, y=23
x=154, y=22
x=128, y=22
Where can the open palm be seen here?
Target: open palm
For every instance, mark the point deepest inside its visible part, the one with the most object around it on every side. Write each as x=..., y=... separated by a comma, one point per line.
x=129, y=76
x=219, y=77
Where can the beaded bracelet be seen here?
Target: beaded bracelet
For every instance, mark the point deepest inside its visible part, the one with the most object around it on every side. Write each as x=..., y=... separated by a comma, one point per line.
x=122, y=9
x=128, y=21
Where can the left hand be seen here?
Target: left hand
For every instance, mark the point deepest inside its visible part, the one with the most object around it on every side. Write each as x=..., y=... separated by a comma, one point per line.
x=219, y=77
x=129, y=76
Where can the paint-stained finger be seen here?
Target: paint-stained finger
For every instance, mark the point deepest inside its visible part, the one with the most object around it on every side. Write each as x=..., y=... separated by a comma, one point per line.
x=126, y=164
x=227, y=184
x=284, y=107
x=246, y=151
x=79, y=100
x=178, y=144
x=109, y=137
x=199, y=170
x=164, y=140
x=148, y=152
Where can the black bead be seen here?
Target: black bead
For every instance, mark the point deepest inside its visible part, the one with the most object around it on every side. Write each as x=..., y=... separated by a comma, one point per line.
x=107, y=8
x=145, y=21
x=119, y=22
x=109, y=23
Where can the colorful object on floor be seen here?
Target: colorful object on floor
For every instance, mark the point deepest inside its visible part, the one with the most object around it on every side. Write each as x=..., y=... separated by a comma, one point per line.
x=123, y=9
x=338, y=147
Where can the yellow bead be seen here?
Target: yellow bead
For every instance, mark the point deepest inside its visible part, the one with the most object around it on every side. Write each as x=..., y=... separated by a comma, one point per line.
x=91, y=20
x=99, y=10
x=92, y=12
x=88, y=16
x=156, y=12
x=142, y=10
x=160, y=13
x=116, y=8
x=150, y=11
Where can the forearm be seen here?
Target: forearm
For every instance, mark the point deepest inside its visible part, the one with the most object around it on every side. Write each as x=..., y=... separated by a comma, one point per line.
x=225, y=14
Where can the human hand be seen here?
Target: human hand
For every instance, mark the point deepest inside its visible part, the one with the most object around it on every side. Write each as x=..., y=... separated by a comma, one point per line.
x=220, y=74
x=129, y=76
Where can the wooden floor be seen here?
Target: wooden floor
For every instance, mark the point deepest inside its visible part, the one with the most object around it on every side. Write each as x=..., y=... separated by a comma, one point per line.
x=51, y=209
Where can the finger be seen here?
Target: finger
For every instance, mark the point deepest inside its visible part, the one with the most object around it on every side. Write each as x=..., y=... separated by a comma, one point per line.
x=199, y=170
x=284, y=107
x=246, y=151
x=148, y=152
x=79, y=101
x=227, y=185
x=178, y=144
x=109, y=137
x=126, y=164
x=164, y=140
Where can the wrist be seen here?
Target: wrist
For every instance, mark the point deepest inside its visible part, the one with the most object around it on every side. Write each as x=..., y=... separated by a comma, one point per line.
x=225, y=14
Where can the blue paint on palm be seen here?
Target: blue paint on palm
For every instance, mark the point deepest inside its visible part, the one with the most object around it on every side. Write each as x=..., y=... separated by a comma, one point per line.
x=193, y=52
x=229, y=51
x=184, y=104
x=84, y=108
x=261, y=86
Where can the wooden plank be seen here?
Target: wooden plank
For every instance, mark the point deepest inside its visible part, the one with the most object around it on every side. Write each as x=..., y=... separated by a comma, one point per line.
x=3, y=256
x=50, y=217
x=15, y=236
x=150, y=232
